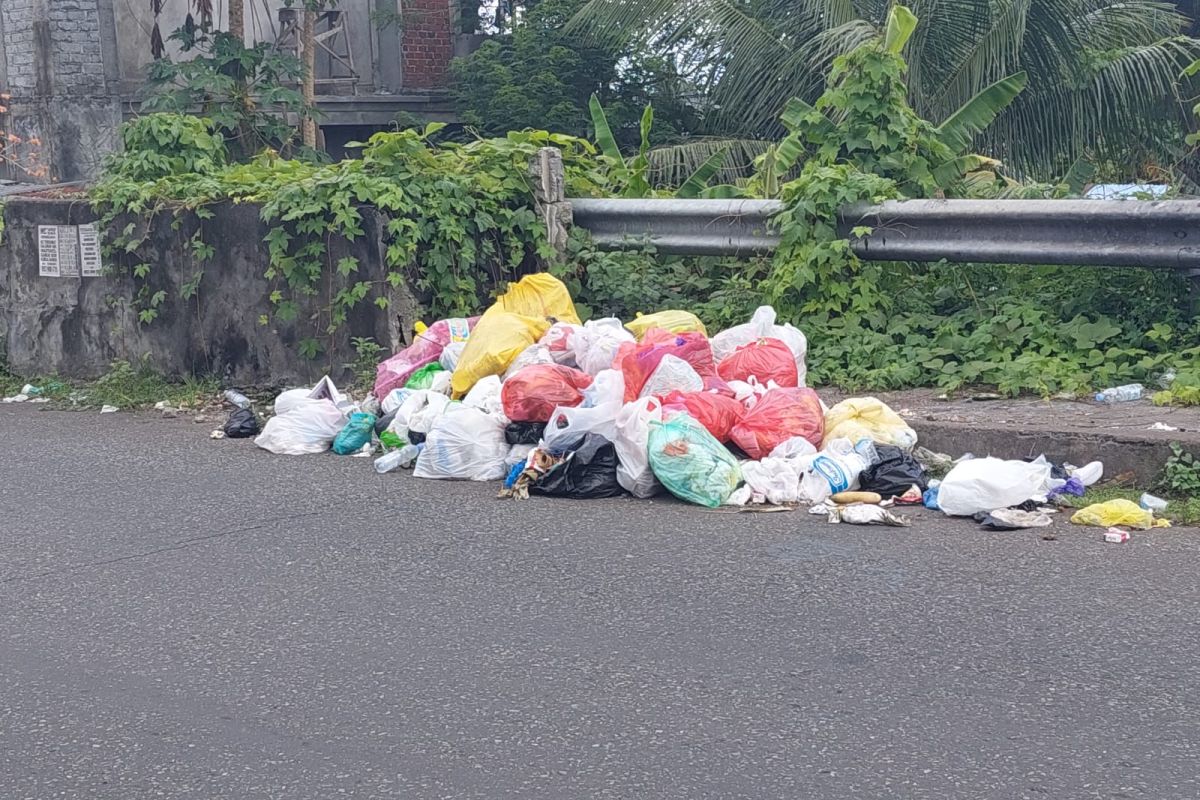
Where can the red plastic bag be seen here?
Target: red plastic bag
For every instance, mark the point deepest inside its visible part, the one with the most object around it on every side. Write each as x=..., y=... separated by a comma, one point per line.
x=638, y=363
x=717, y=413
x=779, y=415
x=532, y=394
x=764, y=359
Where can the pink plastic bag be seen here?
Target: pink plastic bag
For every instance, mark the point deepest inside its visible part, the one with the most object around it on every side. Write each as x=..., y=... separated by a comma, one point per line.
x=395, y=371
x=638, y=363
x=779, y=415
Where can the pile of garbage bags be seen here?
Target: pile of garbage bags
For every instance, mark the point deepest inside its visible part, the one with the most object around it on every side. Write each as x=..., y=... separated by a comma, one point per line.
x=529, y=395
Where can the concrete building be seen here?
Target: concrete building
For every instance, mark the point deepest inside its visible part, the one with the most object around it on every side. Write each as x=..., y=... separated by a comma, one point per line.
x=74, y=69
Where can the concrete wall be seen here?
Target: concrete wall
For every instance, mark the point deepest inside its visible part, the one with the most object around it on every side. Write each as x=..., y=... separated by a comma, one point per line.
x=73, y=65
x=76, y=327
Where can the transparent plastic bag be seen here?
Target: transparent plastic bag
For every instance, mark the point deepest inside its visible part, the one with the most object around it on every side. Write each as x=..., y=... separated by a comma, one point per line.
x=690, y=463
x=985, y=484
x=633, y=461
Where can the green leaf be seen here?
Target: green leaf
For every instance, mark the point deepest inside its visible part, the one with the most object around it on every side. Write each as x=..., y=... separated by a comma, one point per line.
x=900, y=26
x=604, y=135
x=980, y=111
x=695, y=184
x=347, y=265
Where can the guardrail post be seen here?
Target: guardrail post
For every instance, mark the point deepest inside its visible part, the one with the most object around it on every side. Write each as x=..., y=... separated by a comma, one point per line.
x=550, y=198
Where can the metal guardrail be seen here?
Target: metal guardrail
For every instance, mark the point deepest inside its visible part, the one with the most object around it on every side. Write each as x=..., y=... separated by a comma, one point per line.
x=1131, y=233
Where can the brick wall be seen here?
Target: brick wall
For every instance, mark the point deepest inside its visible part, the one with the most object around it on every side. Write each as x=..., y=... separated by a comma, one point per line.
x=53, y=48
x=427, y=43
x=62, y=107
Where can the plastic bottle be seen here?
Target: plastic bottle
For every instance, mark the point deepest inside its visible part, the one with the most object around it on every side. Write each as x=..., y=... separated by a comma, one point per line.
x=1089, y=473
x=1152, y=503
x=403, y=458
x=236, y=398
x=1121, y=394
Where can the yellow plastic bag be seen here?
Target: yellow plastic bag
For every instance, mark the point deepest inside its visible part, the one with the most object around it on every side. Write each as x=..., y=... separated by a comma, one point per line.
x=868, y=418
x=1123, y=513
x=541, y=296
x=517, y=319
x=672, y=321
x=497, y=339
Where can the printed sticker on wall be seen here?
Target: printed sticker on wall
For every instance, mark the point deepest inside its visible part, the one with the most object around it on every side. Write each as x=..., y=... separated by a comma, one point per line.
x=69, y=251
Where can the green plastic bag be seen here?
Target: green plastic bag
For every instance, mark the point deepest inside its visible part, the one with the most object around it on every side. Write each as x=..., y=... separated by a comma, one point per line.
x=691, y=463
x=391, y=440
x=423, y=378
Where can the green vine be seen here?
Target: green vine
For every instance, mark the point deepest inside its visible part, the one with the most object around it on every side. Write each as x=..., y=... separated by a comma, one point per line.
x=459, y=219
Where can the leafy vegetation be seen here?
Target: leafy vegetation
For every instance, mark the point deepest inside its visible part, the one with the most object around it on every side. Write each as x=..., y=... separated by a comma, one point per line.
x=539, y=76
x=244, y=91
x=459, y=222
x=1181, y=473
x=1103, y=74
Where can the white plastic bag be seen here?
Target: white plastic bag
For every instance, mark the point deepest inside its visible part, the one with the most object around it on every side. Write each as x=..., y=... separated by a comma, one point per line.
x=762, y=325
x=441, y=382
x=485, y=395
x=633, y=435
x=424, y=420
x=450, y=355
x=322, y=390
x=530, y=356
x=596, y=343
x=465, y=444
x=560, y=341
x=985, y=484
x=569, y=425
x=608, y=387
x=776, y=478
x=394, y=400
x=308, y=426
x=671, y=374
x=796, y=447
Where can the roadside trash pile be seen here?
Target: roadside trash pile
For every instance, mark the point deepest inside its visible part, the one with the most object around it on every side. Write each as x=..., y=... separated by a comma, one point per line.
x=527, y=394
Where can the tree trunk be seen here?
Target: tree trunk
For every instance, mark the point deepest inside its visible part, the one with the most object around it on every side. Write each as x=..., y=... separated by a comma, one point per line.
x=237, y=20
x=308, y=46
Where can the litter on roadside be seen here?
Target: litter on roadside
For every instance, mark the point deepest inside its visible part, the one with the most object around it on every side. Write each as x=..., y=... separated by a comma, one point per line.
x=528, y=395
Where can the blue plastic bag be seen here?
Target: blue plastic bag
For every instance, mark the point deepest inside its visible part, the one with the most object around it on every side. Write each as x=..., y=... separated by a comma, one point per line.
x=691, y=463
x=356, y=434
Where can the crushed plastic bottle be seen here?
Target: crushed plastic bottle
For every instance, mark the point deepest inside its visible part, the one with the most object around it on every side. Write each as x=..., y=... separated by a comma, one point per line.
x=236, y=398
x=1121, y=394
x=1152, y=503
x=403, y=458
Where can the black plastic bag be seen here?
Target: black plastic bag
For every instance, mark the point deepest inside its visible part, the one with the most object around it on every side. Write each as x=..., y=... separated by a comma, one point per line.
x=895, y=473
x=590, y=471
x=383, y=422
x=242, y=424
x=524, y=432
x=416, y=437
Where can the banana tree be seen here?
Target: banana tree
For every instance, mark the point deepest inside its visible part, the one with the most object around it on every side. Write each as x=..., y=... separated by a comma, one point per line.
x=631, y=177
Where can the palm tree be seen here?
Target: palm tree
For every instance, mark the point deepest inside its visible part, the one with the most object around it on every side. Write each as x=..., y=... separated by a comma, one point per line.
x=1103, y=74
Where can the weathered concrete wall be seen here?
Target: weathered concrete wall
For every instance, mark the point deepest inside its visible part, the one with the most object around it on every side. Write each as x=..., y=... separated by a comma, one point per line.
x=75, y=327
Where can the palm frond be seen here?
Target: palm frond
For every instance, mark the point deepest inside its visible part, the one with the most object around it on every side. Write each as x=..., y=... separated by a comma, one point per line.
x=672, y=165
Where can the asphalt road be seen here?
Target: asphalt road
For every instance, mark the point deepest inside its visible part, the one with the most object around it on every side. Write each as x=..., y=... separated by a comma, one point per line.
x=188, y=618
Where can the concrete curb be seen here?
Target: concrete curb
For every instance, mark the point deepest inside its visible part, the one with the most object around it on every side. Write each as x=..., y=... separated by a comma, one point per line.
x=1142, y=455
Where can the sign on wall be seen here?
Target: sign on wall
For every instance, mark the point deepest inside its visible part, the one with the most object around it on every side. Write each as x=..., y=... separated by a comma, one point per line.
x=69, y=251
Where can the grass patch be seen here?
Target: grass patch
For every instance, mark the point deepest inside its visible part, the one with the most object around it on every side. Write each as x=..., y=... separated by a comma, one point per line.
x=127, y=386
